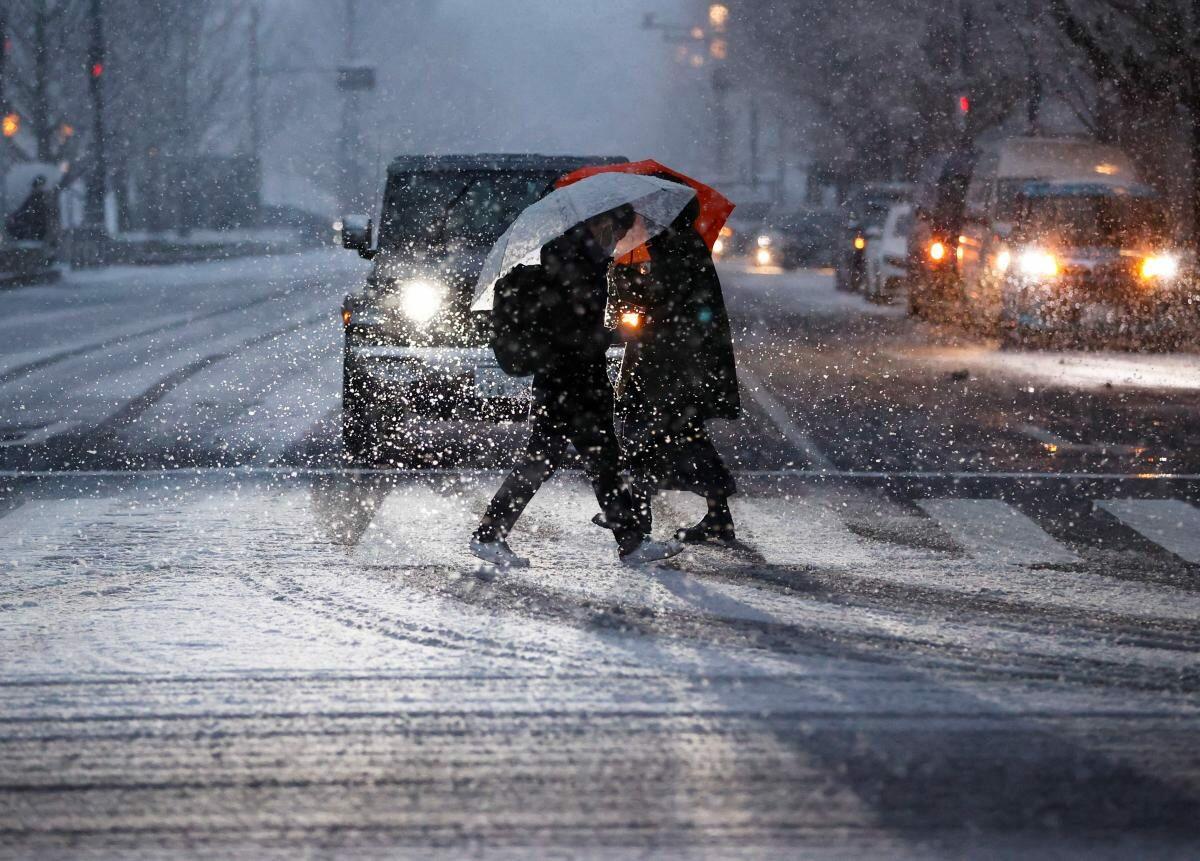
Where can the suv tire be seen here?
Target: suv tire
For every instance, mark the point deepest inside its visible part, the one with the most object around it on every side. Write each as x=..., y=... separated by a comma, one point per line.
x=360, y=417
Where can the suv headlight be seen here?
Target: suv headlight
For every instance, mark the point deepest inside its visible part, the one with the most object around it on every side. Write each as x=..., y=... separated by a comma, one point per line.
x=1159, y=267
x=418, y=299
x=1038, y=263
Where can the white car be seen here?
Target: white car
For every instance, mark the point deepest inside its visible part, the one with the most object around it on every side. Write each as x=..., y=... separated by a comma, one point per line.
x=886, y=263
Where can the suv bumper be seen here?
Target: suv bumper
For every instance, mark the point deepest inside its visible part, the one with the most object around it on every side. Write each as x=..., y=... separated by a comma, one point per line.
x=458, y=373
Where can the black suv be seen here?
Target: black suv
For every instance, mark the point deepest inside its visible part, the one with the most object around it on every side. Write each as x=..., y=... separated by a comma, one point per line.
x=412, y=343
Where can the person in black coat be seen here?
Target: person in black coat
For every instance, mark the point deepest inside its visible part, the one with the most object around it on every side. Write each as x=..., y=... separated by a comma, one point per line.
x=31, y=221
x=572, y=398
x=679, y=374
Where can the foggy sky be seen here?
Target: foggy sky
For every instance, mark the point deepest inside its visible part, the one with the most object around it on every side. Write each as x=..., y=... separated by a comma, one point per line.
x=578, y=76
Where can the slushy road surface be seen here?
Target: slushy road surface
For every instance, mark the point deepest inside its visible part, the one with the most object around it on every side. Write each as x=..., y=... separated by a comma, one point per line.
x=963, y=615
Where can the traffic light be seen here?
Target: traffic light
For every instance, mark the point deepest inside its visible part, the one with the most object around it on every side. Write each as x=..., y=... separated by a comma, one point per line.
x=964, y=104
x=10, y=124
x=97, y=70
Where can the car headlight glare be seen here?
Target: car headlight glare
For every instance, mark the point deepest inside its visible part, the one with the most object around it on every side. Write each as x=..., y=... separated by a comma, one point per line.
x=1038, y=263
x=763, y=256
x=418, y=299
x=719, y=246
x=1161, y=267
x=764, y=241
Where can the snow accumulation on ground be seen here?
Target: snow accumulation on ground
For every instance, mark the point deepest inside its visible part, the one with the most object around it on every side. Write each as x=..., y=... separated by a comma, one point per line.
x=810, y=291
x=1075, y=370
x=307, y=263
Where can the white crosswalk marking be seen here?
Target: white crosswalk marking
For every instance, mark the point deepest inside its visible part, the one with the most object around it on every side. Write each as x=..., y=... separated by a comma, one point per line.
x=993, y=531
x=1170, y=523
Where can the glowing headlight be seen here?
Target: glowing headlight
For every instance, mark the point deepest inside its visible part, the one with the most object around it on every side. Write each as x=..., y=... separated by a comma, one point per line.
x=764, y=241
x=719, y=246
x=1037, y=263
x=860, y=242
x=1003, y=260
x=937, y=251
x=763, y=256
x=1160, y=266
x=419, y=300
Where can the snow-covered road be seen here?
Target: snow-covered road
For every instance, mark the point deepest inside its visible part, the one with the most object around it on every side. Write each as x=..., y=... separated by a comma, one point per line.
x=957, y=621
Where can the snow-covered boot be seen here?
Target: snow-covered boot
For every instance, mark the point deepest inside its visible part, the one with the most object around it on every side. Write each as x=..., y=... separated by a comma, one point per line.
x=651, y=551
x=497, y=553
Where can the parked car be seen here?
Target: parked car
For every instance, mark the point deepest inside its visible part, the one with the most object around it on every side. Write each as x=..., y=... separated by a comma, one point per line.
x=886, y=258
x=1002, y=172
x=864, y=215
x=792, y=239
x=412, y=345
x=1091, y=260
x=932, y=281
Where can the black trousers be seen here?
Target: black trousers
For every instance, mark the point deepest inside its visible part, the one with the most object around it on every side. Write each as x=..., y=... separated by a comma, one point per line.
x=572, y=406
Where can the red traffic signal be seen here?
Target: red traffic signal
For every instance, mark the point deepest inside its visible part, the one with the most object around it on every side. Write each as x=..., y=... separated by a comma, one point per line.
x=97, y=70
x=964, y=104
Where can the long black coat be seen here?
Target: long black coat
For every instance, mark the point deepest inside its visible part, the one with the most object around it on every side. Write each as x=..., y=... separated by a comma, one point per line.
x=684, y=362
x=572, y=386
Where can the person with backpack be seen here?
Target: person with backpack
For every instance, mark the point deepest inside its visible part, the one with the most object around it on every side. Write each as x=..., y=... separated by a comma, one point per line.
x=549, y=320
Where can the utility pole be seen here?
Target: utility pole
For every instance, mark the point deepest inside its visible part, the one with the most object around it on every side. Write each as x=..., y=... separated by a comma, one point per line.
x=255, y=75
x=255, y=83
x=94, y=215
x=754, y=131
x=4, y=46
x=347, y=151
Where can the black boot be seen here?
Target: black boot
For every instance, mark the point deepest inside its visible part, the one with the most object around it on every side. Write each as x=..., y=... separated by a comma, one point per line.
x=717, y=525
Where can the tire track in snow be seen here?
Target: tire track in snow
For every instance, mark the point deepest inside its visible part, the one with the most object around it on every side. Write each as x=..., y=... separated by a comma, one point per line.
x=35, y=365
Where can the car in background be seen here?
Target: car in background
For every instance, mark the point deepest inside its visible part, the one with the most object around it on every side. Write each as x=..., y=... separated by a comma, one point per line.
x=886, y=258
x=411, y=342
x=865, y=212
x=797, y=238
x=1001, y=173
x=738, y=236
x=1091, y=260
x=933, y=284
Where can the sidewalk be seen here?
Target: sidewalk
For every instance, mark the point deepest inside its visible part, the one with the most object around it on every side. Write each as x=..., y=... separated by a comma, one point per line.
x=148, y=249
x=26, y=263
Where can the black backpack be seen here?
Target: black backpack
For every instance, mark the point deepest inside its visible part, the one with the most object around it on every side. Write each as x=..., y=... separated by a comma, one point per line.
x=520, y=337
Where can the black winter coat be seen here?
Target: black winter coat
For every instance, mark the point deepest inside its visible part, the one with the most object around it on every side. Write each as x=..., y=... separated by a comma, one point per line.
x=684, y=361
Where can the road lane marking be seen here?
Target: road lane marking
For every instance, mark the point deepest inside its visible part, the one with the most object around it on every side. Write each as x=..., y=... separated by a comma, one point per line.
x=1169, y=523
x=794, y=530
x=991, y=530
x=791, y=431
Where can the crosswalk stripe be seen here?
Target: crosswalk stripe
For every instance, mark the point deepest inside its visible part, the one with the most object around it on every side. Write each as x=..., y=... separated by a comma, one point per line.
x=1170, y=523
x=991, y=530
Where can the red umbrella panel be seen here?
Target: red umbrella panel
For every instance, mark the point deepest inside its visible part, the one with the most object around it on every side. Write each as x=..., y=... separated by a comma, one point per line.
x=714, y=206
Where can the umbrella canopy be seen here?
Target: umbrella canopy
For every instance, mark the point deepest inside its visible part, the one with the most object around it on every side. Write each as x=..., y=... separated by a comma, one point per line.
x=715, y=207
x=656, y=203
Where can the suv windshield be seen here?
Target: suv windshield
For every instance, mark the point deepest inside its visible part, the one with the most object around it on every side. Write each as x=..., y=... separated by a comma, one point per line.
x=1095, y=220
x=437, y=209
